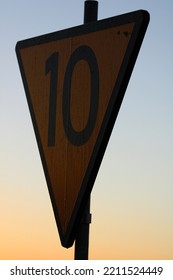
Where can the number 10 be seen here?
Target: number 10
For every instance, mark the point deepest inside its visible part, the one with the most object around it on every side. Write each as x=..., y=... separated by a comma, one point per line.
x=76, y=138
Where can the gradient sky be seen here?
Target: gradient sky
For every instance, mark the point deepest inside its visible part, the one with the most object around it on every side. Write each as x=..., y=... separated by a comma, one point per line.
x=132, y=199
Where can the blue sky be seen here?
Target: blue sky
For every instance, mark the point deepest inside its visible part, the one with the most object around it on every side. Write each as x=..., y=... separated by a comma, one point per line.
x=132, y=199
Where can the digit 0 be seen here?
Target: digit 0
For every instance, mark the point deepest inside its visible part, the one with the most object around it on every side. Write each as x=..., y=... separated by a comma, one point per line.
x=80, y=137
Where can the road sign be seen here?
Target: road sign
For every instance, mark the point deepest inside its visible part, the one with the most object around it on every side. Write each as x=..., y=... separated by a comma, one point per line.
x=75, y=81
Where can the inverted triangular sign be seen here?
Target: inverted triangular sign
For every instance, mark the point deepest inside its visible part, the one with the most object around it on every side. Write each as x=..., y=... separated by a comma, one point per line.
x=75, y=81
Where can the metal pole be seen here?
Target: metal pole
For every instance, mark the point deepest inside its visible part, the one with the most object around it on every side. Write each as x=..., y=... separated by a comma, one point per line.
x=82, y=237
x=90, y=11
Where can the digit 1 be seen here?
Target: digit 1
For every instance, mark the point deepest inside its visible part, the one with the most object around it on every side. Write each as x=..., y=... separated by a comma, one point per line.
x=52, y=68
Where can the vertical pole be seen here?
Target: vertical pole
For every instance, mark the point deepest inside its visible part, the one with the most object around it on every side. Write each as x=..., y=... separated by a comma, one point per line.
x=82, y=237
x=90, y=11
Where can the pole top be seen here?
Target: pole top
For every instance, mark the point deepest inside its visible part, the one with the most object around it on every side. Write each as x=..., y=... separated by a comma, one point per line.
x=90, y=10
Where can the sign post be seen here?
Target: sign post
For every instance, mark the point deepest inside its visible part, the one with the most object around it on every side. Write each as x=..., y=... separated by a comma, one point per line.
x=75, y=81
x=82, y=236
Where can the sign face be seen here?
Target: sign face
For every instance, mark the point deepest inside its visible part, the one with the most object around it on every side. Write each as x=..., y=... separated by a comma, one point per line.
x=75, y=81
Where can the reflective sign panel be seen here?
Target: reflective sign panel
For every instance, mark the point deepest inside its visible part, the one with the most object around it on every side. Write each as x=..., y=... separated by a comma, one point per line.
x=75, y=81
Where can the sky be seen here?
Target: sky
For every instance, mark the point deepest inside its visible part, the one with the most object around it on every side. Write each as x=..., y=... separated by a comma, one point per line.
x=132, y=198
